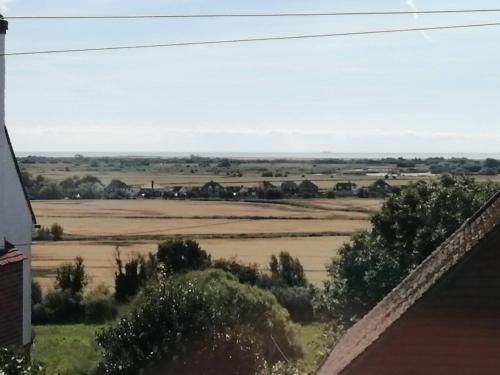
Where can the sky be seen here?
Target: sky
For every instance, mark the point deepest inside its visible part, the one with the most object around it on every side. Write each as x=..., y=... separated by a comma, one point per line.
x=433, y=92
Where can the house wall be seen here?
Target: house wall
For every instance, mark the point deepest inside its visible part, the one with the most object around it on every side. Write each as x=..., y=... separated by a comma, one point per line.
x=11, y=306
x=453, y=329
x=16, y=223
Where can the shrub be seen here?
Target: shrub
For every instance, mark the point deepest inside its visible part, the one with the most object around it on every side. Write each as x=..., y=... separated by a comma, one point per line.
x=130, y=277
x=72, y=276
x=13, y=363
x=99, y=308
x=245, y=274
x=182, y=255
x=43, y=234
x=36, y=293
x=298, y=302
x=203, y=322
x=287, y=269
x=57, y=232
x=59, y=306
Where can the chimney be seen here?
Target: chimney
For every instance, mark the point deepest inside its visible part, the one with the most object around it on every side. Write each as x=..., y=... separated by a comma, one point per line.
x=4, y=149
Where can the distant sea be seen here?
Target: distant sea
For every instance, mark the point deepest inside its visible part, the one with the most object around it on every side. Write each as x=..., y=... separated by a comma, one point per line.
x=266, y=155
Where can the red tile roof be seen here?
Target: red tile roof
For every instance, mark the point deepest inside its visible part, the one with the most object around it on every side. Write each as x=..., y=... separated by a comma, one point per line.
x=10, y=255
x=371, y=327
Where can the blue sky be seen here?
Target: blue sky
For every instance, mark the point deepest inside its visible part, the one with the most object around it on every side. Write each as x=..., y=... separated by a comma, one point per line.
x=405, y=92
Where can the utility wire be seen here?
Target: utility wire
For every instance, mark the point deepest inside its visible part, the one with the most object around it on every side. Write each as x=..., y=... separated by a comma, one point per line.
x=231, y=15
x=250, y=40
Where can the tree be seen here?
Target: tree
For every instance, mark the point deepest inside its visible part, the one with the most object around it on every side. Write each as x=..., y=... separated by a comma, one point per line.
x=203, y=322
x=72, y=276
x=182, y=255
x=56, y=231
x=287, y=270
x=410, y=225
x=132, y=275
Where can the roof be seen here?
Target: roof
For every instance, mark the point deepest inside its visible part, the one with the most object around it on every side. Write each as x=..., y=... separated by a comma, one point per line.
x=18, y=170
x=10, y=255
x=370, y=328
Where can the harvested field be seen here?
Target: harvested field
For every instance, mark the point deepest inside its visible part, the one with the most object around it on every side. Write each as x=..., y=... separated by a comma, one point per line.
x=251, y=231
x=314, y=253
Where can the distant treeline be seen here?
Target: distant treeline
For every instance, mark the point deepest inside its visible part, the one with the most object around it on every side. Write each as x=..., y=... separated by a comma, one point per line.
x=435, y=165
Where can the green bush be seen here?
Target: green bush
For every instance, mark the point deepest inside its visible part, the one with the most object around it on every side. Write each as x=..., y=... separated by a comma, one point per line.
x=182, y=255
x=72, y=276
x=203, y=322
x=245, y=274
x=287, y=269
x=298, y=302
x=36, y=293
x=59, y=306
x=99, y=309
x=13, y=363
x=132, y=275
x=57, y=232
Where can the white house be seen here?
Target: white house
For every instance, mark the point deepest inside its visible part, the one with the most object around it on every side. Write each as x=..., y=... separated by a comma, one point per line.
x=16, y=227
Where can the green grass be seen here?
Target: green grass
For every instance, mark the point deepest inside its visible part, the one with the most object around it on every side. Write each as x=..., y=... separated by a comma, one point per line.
x=67, y=349
x=313, y=340
x=71, y=349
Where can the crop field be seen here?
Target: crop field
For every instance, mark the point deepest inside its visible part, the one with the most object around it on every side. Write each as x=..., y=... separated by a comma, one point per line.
x=311, y=230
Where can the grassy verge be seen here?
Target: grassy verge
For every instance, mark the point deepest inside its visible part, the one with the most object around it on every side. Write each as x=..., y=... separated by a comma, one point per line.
x=208, y=236
x=71, y=349
x=67, y=349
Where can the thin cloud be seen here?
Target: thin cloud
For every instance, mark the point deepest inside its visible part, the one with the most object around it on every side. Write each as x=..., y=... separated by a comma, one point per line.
x=416, y=17
x=4, y=5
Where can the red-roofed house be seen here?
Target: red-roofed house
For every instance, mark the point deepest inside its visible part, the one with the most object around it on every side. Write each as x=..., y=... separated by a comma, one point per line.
x=16, y=228
x=444, y=318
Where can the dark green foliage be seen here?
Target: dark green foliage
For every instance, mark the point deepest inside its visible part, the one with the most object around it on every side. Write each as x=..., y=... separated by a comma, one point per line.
x=411, y=224
x=72, y=277
x=182, y=255
x=100, y=307
x=298, y=302
x=14, y=363
x=36, y=293
x=199, y=323
x=59, y=306
x=43, y=234
x=288, y=270
x=245, y=274
x=57, y=232
x=54, y=233
x=130, y=277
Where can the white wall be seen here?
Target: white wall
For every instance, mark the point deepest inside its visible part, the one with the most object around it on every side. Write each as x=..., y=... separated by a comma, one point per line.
x=15, y=216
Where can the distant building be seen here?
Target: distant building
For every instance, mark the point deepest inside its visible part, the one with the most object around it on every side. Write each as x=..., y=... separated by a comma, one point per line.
x=264, y=187
x=444, y=318
x=346, y=189
x=119, y=189
x=289, y=187
x=152, y=190
x=308, y=189
x=380, y=189
x=16, y=227
x=212, y=190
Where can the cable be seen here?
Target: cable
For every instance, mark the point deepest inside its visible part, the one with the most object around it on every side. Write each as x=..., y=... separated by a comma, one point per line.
x=249, y=40
x=382, y=13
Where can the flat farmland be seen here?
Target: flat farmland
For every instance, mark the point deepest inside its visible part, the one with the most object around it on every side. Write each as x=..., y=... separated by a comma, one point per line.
x=311, y=230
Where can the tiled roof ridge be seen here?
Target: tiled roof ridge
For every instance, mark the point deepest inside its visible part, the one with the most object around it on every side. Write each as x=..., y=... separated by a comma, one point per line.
x=366, y=331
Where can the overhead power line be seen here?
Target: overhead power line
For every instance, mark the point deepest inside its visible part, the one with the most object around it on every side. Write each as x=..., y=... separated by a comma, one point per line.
x=231, y=15
x=251, y=40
